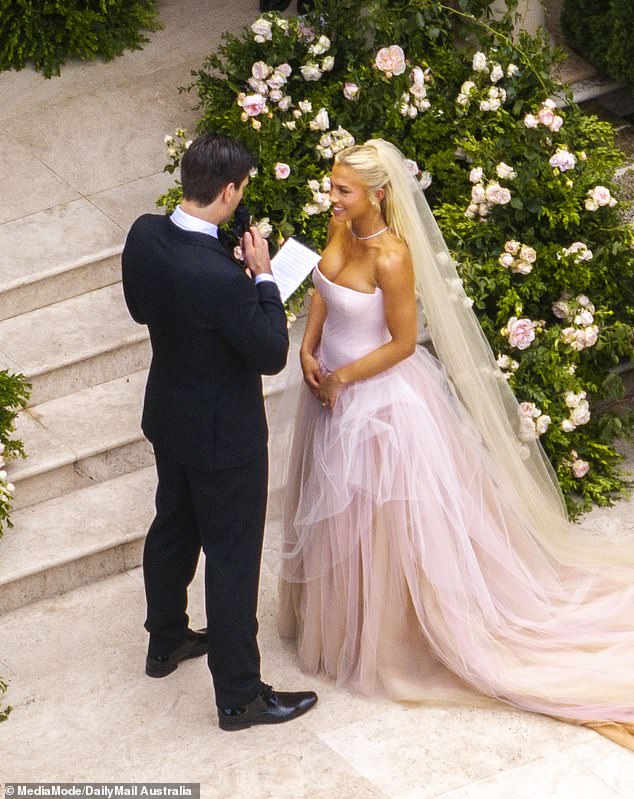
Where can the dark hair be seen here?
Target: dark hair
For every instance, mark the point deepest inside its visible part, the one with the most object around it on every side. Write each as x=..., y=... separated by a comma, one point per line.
x=210, y=163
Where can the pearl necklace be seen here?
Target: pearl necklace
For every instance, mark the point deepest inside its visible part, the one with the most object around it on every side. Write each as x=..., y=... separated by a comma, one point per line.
x=371, y=236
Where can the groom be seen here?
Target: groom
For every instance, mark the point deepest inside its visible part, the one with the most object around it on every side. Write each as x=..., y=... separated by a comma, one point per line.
x=214, y=332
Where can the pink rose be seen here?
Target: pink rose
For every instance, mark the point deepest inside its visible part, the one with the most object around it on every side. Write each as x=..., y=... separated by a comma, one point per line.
x=282, y=171
x=411, y=167
x=391, y=59
x=254, y=104
x=545, y=116
x=284, y=69
x=521, y=332
x=580, y=468
x=528, y=254
x=600, y=195
x=506, y=260
x=527, y=409
x=260, y=70
x=590, y=335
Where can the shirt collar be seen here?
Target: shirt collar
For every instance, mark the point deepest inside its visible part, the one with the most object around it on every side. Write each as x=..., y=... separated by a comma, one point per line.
x=186, y=221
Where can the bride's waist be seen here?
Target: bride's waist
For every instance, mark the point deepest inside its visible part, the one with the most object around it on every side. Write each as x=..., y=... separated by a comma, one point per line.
x=335, y=353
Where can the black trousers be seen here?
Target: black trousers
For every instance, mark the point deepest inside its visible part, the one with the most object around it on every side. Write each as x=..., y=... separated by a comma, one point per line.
x=223, y=512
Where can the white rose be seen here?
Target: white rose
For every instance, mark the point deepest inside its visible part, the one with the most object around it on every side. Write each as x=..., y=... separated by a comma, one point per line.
x=585, y=318
x=258, y=86
x=276, y=95
x=284, y=69
x=523, y=268
x=528, y=409
x=561, y=309
x=503, y=361
x=530, y=121
x=505, y=171
x=310, y=72
x=591, y=205
x=306, y=106
x=506, y=260
x=277, y=80
x=321, y=121
x=478, y=194
x=479, y=62
x=562, y=160
x=321, y=45
x=512, y=246
x=485, y=105
x=497, y=73
x=290, y=125
x=528, y=254
x=542, y=424
x=417, y=76
x=462, y=100
x=285, y=103
x=475, y=176
x=262, y=27
x=265, y=227
x=425, y=180
x=556, y=124
x=511, y=70
x=567, y=426
x=350, y=91
x=328, y=63
x=497, y=195
x=581, y=414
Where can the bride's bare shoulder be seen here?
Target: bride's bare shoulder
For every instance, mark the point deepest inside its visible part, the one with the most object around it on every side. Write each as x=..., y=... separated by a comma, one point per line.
x=393, y=262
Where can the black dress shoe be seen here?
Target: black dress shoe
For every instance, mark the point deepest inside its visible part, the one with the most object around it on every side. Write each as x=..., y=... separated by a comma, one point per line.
x=268, y=707
x=194, y=645
x=274, y=5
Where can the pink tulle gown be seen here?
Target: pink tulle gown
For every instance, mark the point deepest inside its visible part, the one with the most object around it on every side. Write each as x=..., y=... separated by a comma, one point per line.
x=406, y=573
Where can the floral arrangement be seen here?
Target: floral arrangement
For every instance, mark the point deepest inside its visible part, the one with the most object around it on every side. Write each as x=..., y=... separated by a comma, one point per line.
x=14, y=393
x=520, y=185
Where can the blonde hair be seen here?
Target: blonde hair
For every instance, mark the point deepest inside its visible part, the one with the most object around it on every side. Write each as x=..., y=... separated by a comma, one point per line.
x=366, y=162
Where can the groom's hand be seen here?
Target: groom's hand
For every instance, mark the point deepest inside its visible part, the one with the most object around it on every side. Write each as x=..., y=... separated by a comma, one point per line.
x=255, y=250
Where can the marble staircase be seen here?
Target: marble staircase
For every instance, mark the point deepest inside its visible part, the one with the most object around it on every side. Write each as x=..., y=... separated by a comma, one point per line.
x=83, y=497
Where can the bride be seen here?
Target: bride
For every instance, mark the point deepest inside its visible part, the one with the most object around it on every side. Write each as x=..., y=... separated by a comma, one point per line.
x=426, y=550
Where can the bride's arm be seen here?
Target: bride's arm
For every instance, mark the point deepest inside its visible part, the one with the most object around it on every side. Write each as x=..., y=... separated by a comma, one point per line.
x=396, y=280
x=312, y=337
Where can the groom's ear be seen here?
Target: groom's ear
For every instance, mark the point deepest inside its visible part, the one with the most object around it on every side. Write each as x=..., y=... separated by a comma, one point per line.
x=228, y=192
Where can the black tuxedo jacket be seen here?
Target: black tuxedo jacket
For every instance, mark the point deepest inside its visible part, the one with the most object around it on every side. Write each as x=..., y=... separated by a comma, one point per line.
x=213, y=333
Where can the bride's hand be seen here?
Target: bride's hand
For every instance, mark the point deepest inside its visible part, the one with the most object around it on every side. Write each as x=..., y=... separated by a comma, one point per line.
x=329, y=389
x=312, y=372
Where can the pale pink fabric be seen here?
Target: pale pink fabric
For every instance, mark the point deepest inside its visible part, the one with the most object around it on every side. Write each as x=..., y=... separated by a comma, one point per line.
x=407, y=572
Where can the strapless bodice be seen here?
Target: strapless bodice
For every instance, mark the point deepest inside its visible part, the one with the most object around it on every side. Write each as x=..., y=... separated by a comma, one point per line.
x=355, y=323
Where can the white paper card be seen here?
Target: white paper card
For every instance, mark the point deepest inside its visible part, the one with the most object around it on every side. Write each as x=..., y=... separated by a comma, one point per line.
x=292, y=265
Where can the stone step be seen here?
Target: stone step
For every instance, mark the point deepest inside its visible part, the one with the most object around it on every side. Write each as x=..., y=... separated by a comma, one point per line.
x=73, y=344
x=76, y=539
x=56, y=254
x=79, y=439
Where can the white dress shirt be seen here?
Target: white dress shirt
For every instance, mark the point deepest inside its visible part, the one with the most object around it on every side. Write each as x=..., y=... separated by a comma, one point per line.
x=194, y=224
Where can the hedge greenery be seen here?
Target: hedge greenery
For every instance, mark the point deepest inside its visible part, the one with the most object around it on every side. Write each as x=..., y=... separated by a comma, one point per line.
x=603, y=31
x=48, y=32
x=550, y=249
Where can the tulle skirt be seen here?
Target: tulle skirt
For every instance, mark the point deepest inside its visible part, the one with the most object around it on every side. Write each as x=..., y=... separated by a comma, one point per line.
x=406, y=572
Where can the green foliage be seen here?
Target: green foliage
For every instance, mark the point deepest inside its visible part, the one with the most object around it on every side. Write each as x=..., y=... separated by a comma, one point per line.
x=47, y=32
x=603, y=31
x=523, y=191
x=14, y=393
x=4, y=712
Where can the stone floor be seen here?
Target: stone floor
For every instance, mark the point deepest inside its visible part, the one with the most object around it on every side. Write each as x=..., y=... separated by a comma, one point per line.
x=91, y=142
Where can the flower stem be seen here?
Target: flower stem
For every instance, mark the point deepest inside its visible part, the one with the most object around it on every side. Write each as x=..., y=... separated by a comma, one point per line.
x=502, y=36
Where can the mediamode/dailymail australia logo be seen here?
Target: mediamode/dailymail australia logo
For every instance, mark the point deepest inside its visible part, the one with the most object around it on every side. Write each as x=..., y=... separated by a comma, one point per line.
x=103, y=790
